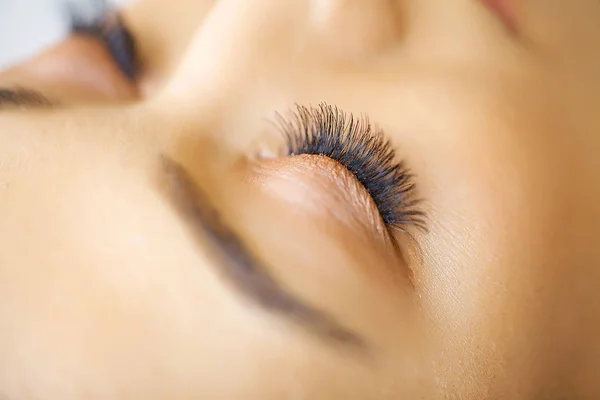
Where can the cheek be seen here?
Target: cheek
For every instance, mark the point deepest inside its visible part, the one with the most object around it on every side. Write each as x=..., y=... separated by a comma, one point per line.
x=500, y=248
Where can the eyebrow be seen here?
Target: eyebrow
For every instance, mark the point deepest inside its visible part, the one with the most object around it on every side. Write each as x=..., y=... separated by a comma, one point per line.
x=244, y=271
x=23, y=98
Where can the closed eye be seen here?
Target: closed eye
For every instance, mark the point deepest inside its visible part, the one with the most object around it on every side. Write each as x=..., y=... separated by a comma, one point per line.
x=363, y=150
x=111, y=31
x=97, y=62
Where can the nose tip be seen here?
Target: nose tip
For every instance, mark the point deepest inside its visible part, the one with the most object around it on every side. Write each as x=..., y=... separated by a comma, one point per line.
x=354, y=29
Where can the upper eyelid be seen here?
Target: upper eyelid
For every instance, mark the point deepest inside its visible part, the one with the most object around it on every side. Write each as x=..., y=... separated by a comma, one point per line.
x=111, y=30
x=365, y=152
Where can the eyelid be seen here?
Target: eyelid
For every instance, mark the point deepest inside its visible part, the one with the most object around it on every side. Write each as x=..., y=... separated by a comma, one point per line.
x=112, y=32
x=328, y=196
x=365, y=152
x=77, y=69
x=321, y=187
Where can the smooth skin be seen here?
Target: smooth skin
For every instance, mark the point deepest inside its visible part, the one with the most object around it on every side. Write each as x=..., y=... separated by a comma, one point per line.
x=105, y=292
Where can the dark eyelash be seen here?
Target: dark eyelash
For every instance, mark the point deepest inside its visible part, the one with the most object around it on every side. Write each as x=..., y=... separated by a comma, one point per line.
x=110, y=30
x=21, y=97
x=353, y=142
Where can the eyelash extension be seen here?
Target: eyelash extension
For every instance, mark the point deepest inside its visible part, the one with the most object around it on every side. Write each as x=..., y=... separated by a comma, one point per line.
x=354, y=143
x=20, y=97
x=111, y=31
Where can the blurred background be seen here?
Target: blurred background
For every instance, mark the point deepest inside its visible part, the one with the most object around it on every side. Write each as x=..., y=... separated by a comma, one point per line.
x=27, y=26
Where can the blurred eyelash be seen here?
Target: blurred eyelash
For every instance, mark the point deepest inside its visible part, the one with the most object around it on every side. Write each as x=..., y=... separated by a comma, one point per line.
x=21, y=97
x=110, y=30
x=354, y=143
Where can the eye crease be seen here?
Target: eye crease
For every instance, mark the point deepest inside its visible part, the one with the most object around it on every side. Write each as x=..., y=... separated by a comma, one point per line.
x=363, y=150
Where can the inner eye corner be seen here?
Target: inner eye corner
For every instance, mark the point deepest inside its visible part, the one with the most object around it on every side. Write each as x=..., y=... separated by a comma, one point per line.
x=266, y=148
x=263, y=154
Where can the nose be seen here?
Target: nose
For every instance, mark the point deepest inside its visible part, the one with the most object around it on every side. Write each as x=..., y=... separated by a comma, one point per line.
x=239, y=41
x=355, y=29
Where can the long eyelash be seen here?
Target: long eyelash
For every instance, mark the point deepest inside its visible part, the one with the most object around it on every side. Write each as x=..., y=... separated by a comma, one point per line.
x=110, y=30
x=353, y=142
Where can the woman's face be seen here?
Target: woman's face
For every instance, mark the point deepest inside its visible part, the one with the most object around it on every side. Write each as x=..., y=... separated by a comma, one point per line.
x=156, y=244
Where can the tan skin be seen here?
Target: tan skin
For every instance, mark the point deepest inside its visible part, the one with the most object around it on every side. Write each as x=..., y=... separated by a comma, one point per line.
x=106, y=292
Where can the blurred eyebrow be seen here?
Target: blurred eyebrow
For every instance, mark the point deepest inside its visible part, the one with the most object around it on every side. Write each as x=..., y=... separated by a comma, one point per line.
x=240, y=266
x=23, y=98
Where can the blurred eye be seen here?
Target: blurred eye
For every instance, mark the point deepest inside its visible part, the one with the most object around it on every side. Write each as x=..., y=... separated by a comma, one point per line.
x=504, y=10
x=97, y=62
x=111, y=31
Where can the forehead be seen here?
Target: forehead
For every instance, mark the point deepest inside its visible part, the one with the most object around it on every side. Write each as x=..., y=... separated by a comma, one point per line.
x=99, y=282
x=88, y=207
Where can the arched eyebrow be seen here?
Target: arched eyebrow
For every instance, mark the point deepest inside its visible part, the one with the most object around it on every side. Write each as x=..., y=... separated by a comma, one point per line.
x=242, y=268
x=23, y=98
